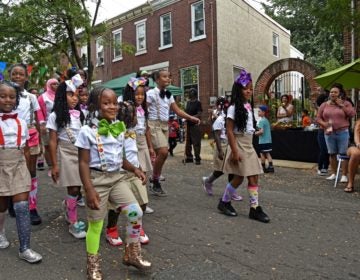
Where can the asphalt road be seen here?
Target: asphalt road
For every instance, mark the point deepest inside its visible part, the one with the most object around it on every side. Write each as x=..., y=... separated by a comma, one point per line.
x=313, y=233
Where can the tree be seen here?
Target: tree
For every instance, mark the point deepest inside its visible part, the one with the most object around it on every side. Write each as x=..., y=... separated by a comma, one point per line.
x=38, y=31
x=317, y=27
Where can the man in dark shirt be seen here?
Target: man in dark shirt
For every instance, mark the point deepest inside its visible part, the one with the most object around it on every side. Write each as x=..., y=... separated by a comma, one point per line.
x=193, y=133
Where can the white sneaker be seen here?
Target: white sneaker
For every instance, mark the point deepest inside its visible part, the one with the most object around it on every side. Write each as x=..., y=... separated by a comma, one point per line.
x=30, y=256
x=77, y=230
x=343, y=179
x=4, y=243
x=149, y=210
x=331, y=177
x=144, y=239
x=319, y=172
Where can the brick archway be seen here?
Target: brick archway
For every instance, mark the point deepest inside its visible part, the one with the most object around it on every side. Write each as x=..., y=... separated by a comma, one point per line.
x=269, y=74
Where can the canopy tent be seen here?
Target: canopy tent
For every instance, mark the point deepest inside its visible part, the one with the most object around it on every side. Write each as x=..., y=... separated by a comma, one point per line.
x=118, y=84
x=347, y=75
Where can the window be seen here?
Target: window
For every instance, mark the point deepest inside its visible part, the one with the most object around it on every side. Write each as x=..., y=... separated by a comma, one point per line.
x=275, y=43
x=165, y=31
x=117, y=44
x=189, y=79
x=140, y=37
x=84, y=56
x=99, y=51
x=197, y=21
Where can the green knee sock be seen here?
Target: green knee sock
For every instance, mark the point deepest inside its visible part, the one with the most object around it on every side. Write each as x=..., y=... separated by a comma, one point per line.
x=93, y=237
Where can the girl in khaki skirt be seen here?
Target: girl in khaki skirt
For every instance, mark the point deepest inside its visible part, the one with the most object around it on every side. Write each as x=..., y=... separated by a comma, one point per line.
x=15, y=177
x=220, y=139
x=240, y=157
x=64, y=124
x=127, y=114
x=134, y=92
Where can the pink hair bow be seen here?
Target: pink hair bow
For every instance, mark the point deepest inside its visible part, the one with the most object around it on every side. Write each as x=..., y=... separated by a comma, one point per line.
x=135, y=82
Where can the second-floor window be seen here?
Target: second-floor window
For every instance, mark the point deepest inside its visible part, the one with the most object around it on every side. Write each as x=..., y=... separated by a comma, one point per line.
x=84, y=56
x=275, y=44
x=117, y=41
x=99, y=51
x=140, y=36
x=197, y=20
x=165, y=30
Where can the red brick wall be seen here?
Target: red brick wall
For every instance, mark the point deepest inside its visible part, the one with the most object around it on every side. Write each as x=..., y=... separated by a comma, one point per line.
x=183, y=53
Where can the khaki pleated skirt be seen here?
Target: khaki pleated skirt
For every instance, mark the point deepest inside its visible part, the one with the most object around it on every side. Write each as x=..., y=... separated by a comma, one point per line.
x=14, y=175
x=249, y=165
x=218, y=163
x=143, y=153
x=69, y=164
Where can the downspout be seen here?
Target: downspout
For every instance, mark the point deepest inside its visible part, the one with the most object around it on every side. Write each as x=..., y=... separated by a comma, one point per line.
x=212, y=48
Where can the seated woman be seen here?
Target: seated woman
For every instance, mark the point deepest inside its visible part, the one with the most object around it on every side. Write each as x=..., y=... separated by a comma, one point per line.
x=286, y=111
x=354, y=154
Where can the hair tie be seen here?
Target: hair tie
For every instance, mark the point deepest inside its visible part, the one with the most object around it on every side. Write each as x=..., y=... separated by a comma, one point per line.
x=244, y=78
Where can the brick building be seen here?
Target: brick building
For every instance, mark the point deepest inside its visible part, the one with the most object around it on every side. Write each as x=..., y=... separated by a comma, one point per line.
x=203, y=43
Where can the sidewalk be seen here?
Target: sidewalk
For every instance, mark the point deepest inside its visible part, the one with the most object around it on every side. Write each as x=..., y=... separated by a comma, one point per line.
x=207, y=154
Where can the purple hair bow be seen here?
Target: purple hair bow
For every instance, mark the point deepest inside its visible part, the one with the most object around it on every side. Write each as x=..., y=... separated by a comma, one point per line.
x=244, y=78
x=135, y=82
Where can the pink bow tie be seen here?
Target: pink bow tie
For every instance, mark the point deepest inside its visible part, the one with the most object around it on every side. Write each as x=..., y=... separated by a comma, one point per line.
x=74, y=113
x=140, y=110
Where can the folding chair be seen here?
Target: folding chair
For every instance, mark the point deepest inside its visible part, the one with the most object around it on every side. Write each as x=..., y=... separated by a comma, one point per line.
x=340, y=159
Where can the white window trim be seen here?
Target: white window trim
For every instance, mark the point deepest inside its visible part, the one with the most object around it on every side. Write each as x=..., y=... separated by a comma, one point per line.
x=140, y=51
x=277, y=44
x=165, y=47
x=115, y=32
x=193, y=37
x=96, y=47
x=162, y=46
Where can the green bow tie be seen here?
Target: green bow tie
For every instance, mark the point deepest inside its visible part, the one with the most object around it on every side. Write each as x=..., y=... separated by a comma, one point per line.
x=104, y=128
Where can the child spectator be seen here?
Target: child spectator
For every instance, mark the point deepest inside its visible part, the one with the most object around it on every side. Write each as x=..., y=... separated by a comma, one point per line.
x=265, y=142
x=173, y=133
x=305, y=118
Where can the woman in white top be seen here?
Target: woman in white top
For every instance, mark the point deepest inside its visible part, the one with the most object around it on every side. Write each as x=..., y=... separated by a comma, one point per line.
x=286, y=110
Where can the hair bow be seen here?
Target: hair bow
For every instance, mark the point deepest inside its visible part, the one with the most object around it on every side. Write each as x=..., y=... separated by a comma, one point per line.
x=104, y=128
x=244, y=78
x=74, y=83
x=135, y=82
x=165, y=92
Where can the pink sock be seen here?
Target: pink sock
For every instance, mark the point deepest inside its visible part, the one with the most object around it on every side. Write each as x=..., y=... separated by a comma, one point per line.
x=71, y=208
x=33, y=193
x=253, y=195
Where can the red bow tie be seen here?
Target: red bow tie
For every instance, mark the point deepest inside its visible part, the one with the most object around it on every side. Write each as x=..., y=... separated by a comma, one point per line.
x=9, y=116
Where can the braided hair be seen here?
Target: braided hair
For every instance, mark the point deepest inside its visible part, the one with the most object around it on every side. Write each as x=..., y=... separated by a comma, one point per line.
x=238, y=100
x=14, y=86
x=127, y=113
x=61, y=107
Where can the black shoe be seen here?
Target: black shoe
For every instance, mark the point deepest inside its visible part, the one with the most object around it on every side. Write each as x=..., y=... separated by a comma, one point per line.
x=270, y=169
x=40, y=165
x=226, y=208
x=34, y=217
x=157, y=190
x=258, y=214
x=171, y=153
x=197, y=162
x=189, y=160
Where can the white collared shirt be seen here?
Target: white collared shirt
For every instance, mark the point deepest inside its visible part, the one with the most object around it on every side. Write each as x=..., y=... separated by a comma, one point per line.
x=9, y=130
x=23, y=109
x=249, y=124
x=140, y=127
x=219, y=124
x=156, y=103
x=113, y=148
x=75, y=126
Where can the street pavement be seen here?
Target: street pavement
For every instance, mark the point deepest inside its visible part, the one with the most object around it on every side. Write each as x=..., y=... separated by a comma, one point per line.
x=313, y=233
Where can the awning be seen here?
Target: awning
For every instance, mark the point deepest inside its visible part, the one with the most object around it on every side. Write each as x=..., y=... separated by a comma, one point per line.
x=118, y=84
